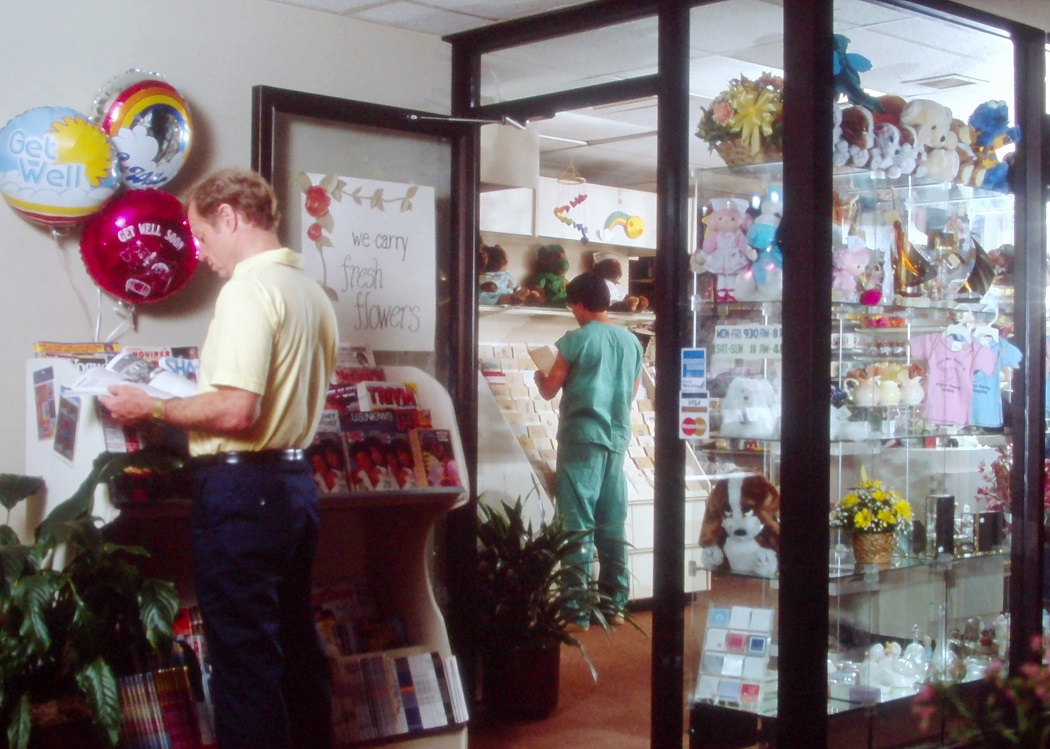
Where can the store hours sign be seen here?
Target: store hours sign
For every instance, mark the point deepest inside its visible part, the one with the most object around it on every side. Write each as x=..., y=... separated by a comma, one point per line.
x=371, y=245
x=752, y=342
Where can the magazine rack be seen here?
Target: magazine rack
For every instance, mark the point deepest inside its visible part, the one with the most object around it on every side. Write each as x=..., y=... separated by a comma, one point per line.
x=384, y=538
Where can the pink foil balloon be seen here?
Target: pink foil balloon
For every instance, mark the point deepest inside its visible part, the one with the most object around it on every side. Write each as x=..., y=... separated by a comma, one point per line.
x=139, y=247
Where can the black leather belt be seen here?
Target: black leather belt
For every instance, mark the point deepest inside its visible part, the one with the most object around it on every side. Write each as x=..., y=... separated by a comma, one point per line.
x=251, y=457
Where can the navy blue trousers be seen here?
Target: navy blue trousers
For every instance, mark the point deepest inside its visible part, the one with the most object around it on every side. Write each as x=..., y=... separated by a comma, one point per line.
x=255, y=530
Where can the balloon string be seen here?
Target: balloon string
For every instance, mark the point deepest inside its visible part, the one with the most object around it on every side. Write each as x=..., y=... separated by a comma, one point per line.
x=129, y=322
x=98, y=312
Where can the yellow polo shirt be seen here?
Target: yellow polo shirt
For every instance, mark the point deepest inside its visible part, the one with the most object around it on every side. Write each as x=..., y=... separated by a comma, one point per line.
x=274, y=333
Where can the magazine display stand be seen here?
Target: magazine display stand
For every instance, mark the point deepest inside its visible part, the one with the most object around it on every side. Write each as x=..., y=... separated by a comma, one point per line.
x=384, y=538
x=63, y=435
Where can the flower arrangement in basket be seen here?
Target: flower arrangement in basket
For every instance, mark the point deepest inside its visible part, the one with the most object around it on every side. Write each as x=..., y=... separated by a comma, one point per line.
x=872, y=514
x=745, y=123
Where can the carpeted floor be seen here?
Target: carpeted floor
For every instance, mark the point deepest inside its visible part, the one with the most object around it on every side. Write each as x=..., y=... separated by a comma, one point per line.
x=612, y=713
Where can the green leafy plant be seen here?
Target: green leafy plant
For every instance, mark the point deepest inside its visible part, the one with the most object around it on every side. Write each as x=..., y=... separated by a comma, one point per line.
x=74, y=610
x=526, y=589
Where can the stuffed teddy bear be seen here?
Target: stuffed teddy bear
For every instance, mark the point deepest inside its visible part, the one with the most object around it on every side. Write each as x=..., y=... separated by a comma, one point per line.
x=848, y=265
x=495, y=284
x=932, y=123
x=725, y=251
x=741, y=525
x=750, y=410
x=970, y=172
x=546, y=285
x=610, y=270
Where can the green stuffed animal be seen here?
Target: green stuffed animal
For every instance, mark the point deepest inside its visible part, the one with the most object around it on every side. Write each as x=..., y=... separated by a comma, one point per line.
x=547, y=283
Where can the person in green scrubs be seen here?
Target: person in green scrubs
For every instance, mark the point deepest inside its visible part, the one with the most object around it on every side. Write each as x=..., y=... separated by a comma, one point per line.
x=598, y=369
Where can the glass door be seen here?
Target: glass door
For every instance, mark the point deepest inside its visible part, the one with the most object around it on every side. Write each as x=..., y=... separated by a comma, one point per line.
x=921, y=341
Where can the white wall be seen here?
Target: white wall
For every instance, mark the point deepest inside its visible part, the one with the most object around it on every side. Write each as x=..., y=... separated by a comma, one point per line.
x=60, y=52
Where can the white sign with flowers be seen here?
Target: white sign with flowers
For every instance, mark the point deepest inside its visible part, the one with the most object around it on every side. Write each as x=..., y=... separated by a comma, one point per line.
x=372, y=246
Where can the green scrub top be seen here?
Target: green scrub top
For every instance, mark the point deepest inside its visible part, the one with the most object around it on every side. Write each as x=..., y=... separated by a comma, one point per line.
x=604, y=361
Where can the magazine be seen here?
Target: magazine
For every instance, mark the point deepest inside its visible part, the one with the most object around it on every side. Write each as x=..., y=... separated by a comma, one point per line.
x=380, y=455
x=127, y=368
x=327, y=456
x=434, y=458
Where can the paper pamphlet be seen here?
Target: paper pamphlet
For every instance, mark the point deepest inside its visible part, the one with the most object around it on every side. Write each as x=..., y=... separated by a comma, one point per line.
x=128, y=369
x=544, y=357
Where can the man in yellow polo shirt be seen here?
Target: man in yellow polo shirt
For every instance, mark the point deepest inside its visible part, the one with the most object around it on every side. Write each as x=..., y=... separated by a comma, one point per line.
x=265, y=367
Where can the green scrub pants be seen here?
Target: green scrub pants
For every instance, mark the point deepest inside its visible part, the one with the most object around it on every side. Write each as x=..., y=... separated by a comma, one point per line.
x=592, y=496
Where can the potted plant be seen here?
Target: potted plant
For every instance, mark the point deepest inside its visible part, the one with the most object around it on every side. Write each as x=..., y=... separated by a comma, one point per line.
x=74, y=613
x=529, y=600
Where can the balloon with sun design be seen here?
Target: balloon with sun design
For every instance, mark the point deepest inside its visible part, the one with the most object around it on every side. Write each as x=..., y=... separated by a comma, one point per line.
x=56, y=168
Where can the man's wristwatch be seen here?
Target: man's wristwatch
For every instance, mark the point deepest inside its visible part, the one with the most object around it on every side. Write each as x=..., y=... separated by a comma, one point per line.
x=158, y=410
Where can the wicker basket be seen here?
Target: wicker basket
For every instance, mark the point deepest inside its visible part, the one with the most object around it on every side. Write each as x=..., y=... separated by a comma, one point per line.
x=735, y=153
x=873, y=548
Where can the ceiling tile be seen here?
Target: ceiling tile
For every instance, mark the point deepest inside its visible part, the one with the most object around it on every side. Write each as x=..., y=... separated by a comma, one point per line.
x=422, y=18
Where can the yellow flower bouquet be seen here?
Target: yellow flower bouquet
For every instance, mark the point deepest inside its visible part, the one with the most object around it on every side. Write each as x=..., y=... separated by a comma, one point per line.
x=745, y=123
x=872, y=515
x=871, y=508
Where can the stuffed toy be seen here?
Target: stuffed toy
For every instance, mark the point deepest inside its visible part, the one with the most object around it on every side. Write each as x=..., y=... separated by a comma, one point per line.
x=495, y=284
x=847, y=67
x=932, y=124
x=741, y=525
x=894, y=153
x=725, y=251
x=990, y=123
x=970, y=172
x=840, y=146
x=858, y=127
x=610, y=270
x=750, y=410
x=849, y=263
x=546, y=285
x=764, y=280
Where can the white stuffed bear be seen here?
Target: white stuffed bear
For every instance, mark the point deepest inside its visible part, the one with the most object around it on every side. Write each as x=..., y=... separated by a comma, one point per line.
x=932, y=123
x=750, y=409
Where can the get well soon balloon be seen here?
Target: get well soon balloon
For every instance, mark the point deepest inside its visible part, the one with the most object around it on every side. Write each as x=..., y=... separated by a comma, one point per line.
x=56, y=168
x=150, y=126
x=139, y=248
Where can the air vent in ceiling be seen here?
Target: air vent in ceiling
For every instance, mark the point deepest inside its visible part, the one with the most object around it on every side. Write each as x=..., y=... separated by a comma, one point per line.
x=942, y=82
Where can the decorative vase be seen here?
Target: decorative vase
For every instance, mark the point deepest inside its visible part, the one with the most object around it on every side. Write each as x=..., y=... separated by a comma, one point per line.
x=873, y=548
x=520, y=681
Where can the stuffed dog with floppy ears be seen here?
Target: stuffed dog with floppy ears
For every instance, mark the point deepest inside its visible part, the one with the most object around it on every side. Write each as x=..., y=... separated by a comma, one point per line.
x=741, y=526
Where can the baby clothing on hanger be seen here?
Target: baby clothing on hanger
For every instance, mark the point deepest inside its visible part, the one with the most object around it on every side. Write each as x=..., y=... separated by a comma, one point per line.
x=986, y=410
x=951, y=365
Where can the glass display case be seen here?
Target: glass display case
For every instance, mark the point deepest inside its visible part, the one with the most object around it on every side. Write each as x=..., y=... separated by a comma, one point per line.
x=919, y=450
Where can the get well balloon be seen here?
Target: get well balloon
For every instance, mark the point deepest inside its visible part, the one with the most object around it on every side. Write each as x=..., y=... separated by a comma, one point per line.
x=150, y=126
x=139, y=247
x=56, y=168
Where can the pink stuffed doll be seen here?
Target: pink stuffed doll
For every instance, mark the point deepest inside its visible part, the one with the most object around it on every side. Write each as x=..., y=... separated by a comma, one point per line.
x=725, y=251
x=848, y=266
